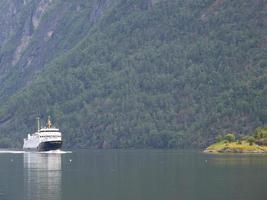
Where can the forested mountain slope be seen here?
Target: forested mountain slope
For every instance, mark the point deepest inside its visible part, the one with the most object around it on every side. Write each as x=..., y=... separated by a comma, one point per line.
x=34, y=33
x=139, y=73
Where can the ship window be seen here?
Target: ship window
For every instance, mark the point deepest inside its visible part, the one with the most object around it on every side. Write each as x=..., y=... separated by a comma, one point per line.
x=49, y=131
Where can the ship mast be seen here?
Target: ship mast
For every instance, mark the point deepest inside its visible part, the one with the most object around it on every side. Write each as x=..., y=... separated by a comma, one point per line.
x=38, y=124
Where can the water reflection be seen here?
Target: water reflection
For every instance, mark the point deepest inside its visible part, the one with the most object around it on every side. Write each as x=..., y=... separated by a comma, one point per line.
x=242, y=160
x=42, y=176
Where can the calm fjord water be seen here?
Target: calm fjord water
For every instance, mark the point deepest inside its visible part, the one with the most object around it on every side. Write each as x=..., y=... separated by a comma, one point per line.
x=132, y=175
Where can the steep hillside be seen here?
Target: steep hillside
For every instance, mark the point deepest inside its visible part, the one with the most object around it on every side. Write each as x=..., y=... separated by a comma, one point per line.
x=35, y=32
x=141, y=73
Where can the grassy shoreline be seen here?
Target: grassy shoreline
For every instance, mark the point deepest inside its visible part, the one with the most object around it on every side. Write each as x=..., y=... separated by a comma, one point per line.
x=235, y=147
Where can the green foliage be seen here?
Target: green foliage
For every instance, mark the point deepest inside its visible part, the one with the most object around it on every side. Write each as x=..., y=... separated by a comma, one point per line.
x=260, y=133
x=251, y=140
x=229, y=137
x=234, y=147
x=163, y=75
x=219, y=138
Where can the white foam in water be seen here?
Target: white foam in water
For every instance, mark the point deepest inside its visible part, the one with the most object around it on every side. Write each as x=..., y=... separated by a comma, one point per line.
x=6, y=151
x=55, y=152
x=12, y=151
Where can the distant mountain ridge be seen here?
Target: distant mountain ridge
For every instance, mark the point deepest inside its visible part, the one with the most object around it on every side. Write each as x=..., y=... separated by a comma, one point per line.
x=133, y=74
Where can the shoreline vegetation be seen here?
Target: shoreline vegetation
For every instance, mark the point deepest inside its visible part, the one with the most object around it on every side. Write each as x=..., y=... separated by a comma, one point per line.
x=230, y=143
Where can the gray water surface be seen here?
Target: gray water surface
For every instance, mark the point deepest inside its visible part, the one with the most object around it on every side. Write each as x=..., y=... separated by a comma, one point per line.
x=132, y=175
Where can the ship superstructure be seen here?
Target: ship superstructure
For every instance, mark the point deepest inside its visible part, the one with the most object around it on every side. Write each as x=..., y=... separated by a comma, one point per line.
x=45, y=139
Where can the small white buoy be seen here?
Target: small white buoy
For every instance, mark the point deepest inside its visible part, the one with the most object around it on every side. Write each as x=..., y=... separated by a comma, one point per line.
x=70, y=160
x=206, y=161
x=11, y=160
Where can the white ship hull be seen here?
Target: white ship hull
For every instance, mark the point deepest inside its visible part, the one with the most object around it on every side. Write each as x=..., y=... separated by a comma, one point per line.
x=45, y=139
x=42, y=146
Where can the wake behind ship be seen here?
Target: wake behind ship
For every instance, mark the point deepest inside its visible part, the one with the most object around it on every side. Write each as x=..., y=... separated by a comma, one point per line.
x=45, y=139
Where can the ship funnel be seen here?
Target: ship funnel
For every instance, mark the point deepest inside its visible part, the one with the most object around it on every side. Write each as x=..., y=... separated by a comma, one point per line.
x=49, y=123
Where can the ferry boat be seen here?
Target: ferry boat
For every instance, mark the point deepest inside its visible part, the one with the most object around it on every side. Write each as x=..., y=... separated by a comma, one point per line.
x=45, y=139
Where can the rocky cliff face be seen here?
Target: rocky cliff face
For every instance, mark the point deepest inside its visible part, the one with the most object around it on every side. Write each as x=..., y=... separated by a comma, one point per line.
x=10, y=12
x=34, y=32
x=20, y=21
